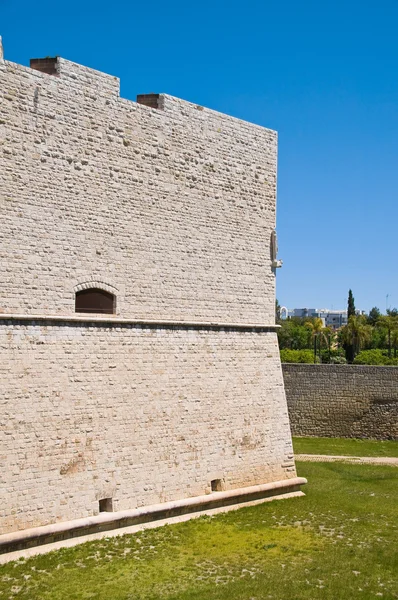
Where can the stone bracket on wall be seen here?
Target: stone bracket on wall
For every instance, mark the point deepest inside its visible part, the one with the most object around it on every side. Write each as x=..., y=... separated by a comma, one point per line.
x=275, y=262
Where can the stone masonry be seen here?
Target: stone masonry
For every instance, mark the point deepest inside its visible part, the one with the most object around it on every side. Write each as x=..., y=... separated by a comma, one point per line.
x=95, y=188
x=342, y=400
x=170, y=208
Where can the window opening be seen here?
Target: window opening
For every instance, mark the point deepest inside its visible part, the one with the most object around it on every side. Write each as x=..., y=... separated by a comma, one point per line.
x=216, y=485
x=106, y=505
x=95, y=300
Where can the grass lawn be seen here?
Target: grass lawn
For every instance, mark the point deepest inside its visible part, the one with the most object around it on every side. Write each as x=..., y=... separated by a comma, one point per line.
x=338, y=542
x=344, y=447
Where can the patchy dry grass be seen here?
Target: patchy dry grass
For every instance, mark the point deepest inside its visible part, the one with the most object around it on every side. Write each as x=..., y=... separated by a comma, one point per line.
x=344, y=447
x=338, y=542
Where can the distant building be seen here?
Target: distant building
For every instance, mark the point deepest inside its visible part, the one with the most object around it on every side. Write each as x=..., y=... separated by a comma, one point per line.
x=336, y=318
x=330, y=318
x=303, y=312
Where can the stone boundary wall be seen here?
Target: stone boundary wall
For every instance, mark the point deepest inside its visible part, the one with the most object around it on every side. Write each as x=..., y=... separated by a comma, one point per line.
x=342, y=400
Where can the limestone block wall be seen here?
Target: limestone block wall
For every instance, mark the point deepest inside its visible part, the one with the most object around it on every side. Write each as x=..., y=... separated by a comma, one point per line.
x=171, y=209
x=342, y=400
x=138, y=414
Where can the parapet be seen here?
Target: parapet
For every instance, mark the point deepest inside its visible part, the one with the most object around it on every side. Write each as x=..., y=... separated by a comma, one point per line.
x=98, y=83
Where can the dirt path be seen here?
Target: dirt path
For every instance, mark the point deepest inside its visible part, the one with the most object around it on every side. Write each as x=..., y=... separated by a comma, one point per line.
x=366, y=460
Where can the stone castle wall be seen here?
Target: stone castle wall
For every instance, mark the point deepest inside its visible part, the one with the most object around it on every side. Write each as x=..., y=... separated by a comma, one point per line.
x=138, y=414
x=170, y=209
x=342, y=400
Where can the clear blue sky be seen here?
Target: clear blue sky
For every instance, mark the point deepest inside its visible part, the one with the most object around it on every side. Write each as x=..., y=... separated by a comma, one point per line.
x=323, y=74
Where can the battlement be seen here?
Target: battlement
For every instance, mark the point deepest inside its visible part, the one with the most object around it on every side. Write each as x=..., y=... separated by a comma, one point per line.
x=81, y=77
x=75, y=75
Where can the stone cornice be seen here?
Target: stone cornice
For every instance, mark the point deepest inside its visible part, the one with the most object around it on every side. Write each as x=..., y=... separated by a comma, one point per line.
x=150, y=323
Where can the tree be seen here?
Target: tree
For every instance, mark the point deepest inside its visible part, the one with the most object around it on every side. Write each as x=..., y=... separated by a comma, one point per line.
x=351, y=305
x=293, y=335
x=374, y=315
x=329, y=336
x=378, y=339
x=318, y=333
x=354, y=335
x=277, y=311
x=394, y=339
x=390, y=323
x=347, y=345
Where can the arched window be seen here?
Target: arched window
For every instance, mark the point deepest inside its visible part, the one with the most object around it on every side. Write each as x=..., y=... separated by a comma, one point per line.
x=95, y=300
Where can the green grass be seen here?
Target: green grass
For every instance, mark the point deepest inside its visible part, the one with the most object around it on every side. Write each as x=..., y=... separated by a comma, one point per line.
x=337, y=542
x=344, y=447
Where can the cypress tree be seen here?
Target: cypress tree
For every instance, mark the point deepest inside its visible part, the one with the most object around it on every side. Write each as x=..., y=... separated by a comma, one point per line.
x=349, y=348
x=351, y=305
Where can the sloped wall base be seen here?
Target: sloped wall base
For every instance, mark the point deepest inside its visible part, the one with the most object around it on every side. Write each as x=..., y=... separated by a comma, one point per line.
x=49, y=537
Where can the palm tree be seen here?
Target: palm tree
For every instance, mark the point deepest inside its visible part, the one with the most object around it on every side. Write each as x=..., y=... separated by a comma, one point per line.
x=329, y=337
x=318, y=333
x=389, y=322
x=354, y=335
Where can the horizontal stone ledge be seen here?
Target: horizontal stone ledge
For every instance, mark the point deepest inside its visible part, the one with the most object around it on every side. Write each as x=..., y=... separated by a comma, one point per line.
x=107, y=521
x=150, y=323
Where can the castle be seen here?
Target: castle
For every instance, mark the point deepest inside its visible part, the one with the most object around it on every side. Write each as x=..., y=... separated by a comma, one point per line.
x=139, y=361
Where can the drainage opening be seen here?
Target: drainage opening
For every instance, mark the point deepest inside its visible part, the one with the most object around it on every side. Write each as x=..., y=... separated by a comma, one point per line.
x=216, y=485
x=106, y=505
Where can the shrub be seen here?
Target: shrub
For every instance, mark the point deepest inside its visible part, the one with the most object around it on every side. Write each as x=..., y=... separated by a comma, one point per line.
x=338, y=360
x=374, y=357
x=337, y=356
x=297, y=356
